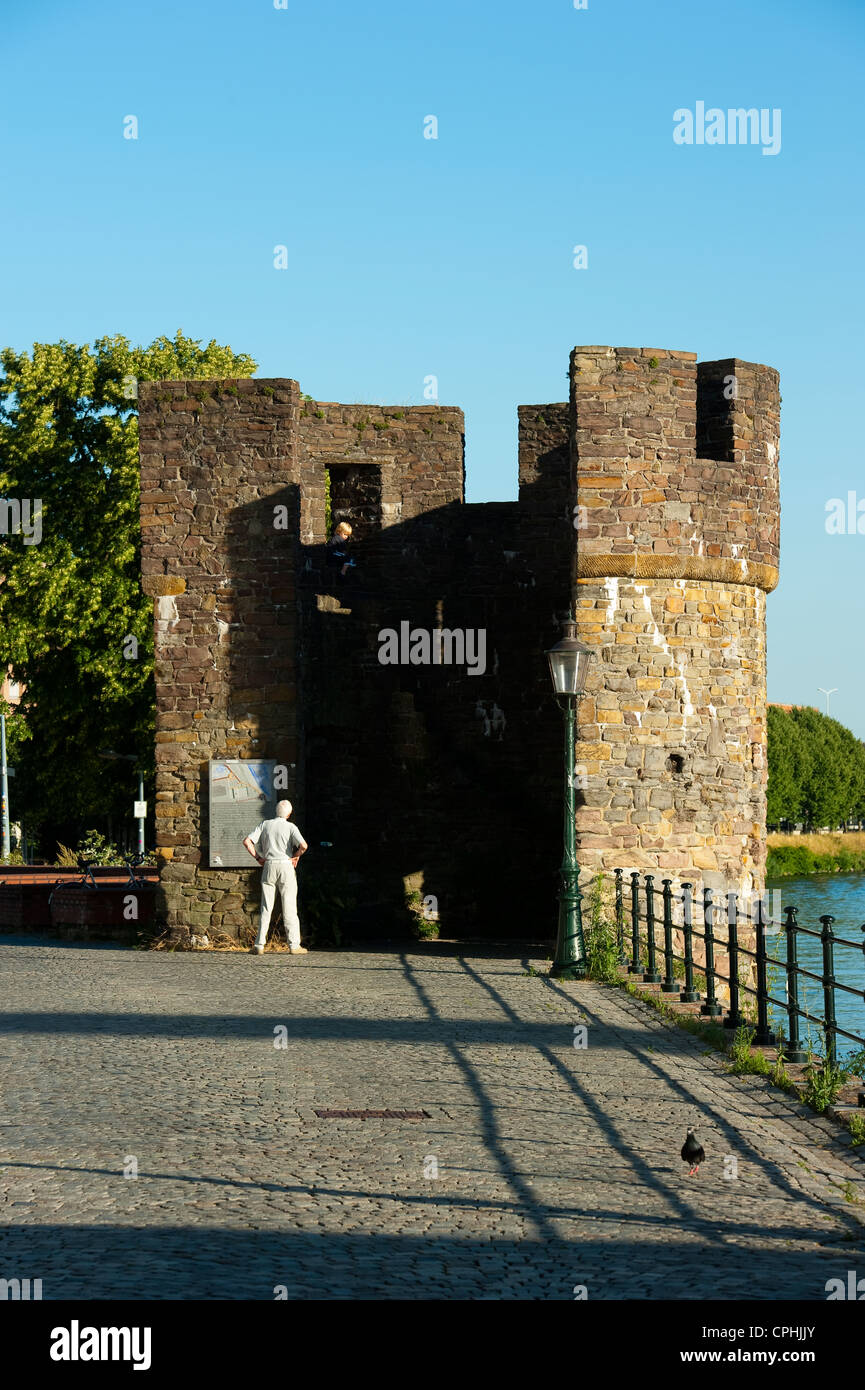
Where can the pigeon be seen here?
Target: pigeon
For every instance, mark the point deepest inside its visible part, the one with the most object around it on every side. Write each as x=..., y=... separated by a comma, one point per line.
x=692, y=1153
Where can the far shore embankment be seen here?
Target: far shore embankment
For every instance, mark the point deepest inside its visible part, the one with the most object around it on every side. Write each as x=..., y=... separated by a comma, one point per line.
x=836, y=853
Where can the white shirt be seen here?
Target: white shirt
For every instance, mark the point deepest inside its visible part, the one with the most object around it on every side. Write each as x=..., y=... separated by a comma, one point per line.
x=276, y=840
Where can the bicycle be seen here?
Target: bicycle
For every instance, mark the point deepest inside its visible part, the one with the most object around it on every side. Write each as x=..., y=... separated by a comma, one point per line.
x=85, y=881
x=132, y=863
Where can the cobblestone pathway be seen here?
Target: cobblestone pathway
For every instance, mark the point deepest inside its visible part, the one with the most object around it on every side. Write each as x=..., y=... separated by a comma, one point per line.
x=555, y=1167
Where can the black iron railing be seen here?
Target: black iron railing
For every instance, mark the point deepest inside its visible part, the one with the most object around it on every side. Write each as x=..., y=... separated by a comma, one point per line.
x=643, y=932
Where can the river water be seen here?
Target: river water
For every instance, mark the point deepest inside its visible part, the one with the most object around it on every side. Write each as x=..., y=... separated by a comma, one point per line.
x=843, y=896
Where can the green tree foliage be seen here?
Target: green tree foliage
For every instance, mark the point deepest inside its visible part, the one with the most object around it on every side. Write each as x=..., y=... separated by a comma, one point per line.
x=70, y=604
x=816, y=769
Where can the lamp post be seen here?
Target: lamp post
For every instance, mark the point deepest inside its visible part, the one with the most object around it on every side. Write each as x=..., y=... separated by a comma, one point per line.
x=4, y=791
x=569, y=665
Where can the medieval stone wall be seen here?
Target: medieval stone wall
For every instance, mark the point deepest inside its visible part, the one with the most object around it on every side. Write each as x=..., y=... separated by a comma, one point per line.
x=433, y=776
x=675, y=554
x=216, y=459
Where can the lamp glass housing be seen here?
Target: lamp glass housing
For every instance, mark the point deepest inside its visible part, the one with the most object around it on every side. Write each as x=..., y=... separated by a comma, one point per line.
x=569, y=664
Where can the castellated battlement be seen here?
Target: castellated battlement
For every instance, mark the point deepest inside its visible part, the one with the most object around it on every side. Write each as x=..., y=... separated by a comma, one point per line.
x=675, y=466
x=648, y=503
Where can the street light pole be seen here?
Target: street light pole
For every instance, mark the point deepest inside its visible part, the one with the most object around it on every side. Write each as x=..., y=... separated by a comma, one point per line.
x=4, y=789
x=570, y=961
x=569, y=664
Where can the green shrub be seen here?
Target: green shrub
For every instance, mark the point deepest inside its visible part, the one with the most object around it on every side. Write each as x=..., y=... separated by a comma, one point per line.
x=822, y=1084
x=785, y=861
x=789, y=860
x=421, y=926
x=94, y=848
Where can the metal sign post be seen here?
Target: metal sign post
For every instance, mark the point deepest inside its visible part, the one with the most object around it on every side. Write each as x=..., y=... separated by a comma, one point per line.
x=141, y=812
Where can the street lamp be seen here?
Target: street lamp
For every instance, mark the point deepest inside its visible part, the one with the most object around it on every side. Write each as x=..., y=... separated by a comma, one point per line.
x=569, y=666
x=4, y=792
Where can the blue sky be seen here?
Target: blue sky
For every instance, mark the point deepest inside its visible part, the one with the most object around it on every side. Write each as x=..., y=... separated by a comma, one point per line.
x=408, y=257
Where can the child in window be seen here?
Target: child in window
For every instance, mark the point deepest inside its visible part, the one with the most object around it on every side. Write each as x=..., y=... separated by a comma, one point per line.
x=337, y=549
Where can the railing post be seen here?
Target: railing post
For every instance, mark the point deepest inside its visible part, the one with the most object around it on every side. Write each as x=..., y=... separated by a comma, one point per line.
x=711, y=1007
x=828, y=986
x=651, y=975
x=764, y=1037
x=636, y=964
x=669, y=986
x=733, y=1018
x=689, y=995
x=793, y=1052
x=620, y=919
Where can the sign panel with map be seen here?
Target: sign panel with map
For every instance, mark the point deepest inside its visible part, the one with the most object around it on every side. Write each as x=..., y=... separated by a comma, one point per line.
x=241, y=795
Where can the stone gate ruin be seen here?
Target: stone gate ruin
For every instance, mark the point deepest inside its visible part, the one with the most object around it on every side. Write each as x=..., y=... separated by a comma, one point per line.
x=649, y=503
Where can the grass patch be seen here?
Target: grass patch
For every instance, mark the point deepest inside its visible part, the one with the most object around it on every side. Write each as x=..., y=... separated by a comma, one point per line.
x=743, y=1060
x=779, y=1075
x=711, y=1033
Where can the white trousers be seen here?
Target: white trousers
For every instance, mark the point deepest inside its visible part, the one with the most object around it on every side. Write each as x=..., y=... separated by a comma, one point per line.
x=279, y=875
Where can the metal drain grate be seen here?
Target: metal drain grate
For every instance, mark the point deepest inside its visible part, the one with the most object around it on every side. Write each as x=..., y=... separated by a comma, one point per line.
x=372, y=1115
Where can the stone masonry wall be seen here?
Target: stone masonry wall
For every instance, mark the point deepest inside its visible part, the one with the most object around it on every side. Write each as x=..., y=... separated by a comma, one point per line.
x=419, y=451
x=216, y=457
x=648, y=503
x=240, y=640
x=429, y=769
x=675, y=554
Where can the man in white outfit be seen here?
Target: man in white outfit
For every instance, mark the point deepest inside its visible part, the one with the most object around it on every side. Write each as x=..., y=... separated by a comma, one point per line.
x=277, y=845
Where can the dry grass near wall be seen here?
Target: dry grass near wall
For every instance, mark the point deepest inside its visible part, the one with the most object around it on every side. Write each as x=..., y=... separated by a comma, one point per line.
x=853, y=841
x=216, y=941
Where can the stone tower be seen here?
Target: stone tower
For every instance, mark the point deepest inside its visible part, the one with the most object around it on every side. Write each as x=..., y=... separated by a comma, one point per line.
x=675, y=478
x=648, y=503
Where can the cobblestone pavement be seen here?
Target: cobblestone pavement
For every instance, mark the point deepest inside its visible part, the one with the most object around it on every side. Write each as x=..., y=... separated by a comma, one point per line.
x=556, y=1167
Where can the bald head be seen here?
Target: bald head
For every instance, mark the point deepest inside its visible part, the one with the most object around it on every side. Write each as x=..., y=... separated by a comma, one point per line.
x=283, y=809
